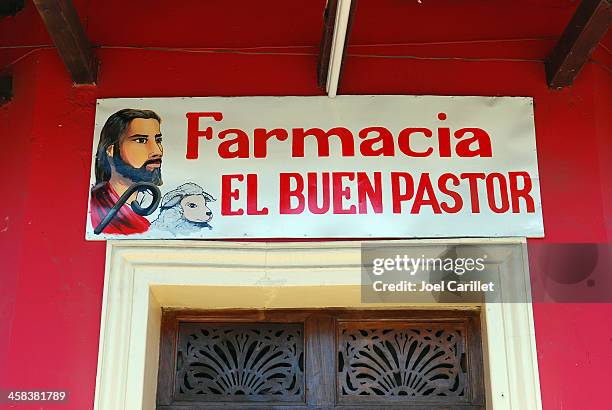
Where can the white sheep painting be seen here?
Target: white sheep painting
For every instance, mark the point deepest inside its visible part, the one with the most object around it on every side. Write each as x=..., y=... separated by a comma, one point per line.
x=184, y=210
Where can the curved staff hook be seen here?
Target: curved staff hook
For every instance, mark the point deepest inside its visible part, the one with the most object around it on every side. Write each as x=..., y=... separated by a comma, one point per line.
x=138, y=187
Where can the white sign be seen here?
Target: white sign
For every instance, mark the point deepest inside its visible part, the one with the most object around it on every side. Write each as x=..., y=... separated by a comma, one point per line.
x=314, y=167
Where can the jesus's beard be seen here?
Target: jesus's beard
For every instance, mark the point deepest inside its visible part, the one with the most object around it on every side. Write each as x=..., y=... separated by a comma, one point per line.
x=141, y=174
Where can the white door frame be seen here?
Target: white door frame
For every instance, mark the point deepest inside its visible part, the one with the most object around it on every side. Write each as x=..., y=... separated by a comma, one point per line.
x=141, y=277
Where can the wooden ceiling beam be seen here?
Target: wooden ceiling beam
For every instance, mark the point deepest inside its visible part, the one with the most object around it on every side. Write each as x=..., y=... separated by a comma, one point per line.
x=65, y=28
x=329, y=21
x=337, y=23
x=6, y=89
x=586, y=28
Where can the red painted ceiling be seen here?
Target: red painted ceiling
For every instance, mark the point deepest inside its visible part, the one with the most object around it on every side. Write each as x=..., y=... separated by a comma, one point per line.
x=274, y=23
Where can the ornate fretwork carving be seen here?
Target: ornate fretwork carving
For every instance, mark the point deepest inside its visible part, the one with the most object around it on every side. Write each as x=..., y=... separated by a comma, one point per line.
x=419, y=361
x=240, y=362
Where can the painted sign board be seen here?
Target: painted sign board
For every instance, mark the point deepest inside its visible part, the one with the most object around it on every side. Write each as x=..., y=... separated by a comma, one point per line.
x=314, y=167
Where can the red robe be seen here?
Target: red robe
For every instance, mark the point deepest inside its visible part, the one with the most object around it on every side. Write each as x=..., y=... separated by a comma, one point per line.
x=125, y=222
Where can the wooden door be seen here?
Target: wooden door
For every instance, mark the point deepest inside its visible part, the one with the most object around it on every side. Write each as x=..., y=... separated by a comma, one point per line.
x=320, y=359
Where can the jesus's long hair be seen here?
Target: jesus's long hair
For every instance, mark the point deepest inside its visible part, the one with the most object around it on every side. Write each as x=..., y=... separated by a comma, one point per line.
x=114, y=127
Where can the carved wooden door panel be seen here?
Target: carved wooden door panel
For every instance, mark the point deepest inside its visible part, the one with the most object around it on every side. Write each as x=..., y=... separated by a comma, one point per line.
x=238, y=362
x=320, y=360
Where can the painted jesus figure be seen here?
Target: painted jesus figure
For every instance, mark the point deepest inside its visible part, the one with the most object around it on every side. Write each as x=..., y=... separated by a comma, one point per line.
x=129, y=151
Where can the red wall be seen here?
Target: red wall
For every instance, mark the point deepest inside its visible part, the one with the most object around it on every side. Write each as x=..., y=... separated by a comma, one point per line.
x=51, y=278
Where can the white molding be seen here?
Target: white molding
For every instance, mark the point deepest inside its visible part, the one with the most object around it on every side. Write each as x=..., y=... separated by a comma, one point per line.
x=143, y=276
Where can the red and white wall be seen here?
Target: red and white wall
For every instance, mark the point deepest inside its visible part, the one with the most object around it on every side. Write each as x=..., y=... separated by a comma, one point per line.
x=51, y=279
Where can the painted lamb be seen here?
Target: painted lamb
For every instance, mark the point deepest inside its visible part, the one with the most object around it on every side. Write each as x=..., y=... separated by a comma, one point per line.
x=184, y=210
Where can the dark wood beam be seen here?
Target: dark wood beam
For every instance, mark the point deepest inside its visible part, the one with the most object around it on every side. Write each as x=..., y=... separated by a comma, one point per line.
x=586, y=28
x=329, y=22
x=10, y=7
x=65, y=28
x=6, y=89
